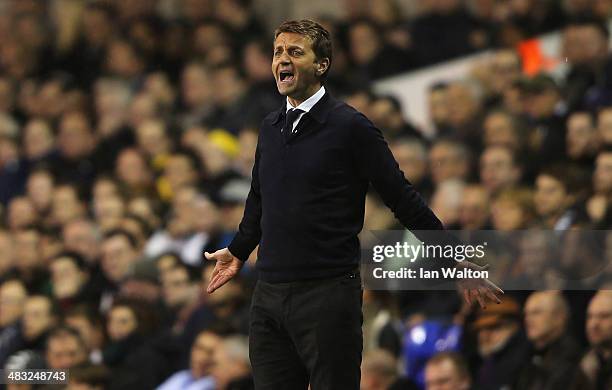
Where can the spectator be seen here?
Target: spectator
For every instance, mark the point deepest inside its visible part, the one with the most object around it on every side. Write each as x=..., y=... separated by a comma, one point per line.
x=499, y=169
x=585, y=45
x=232, y=368
x=438, y=102
x=581, y=139
x=446, y=201
x=379, y=371
x=597, y=204
x=119, y=255
x=152, y=138
x=66, y=204
x=373, y=58
x=82, y=237
x=411, y=155
x=535, y=259
x=112, y=98
x=21, y=213
x=138, y=227
x=554, y=198
x=201, y=365
x=180, y=234
x=512, y=209
x=545, y=112
x=109, y=211
x=505, y=70
x=39, y=190
x=387, y=115
x=69, y=279
x=447, y=370
x=124, y=60
x=474, y=209
x=65, y=349
x=233, y=108
x=180, y=294
x=30, y=266
x=13, y=170
x=553, y=363
x=381, y=323
x=128, y=354
x=39, y=316
x=232, y=197
x=219, y=150
x=87, y=54
x=595, y=363
x=38, y=141
x=142, y=108
x=502, y=129
x=464, y=112
x=196, y=97
x=13, y=296
x=134, y=173
x=76, y=143
x=90, y=327
x=448, y=160
x=501, y=345
x=182, y=168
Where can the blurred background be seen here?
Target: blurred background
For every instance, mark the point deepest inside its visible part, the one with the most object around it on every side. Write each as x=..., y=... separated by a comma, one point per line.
x=127, y=138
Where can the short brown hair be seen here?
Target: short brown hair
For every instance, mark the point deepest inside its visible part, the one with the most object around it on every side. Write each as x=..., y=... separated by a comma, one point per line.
x=316, y=33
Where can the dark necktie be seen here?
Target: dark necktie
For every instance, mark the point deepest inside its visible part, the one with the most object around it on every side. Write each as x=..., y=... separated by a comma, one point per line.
x=292, y=115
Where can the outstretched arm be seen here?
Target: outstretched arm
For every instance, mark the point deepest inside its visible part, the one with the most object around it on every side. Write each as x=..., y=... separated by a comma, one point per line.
x=231, y=259
x=376, y=163
x=249, y=230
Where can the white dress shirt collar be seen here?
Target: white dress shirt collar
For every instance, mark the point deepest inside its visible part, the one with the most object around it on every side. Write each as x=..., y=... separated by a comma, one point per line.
x=309, y=103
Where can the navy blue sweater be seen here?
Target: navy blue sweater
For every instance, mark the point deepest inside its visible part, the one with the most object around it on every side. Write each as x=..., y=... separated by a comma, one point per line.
x=307, y=198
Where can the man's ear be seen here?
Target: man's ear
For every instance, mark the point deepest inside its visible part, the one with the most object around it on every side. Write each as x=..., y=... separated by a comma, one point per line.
x=322, y=66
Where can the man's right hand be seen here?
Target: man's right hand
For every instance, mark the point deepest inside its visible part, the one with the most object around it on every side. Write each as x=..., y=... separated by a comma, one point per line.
x=226, y=268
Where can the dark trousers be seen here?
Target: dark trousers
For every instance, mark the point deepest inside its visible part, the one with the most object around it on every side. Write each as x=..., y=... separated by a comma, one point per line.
x=307, y=332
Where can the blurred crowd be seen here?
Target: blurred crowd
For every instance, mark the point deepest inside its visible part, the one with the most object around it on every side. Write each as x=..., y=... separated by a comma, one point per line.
x=127, y=138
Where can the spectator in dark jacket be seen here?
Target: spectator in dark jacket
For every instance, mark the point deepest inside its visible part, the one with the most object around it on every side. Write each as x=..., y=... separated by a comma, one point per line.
x=501, y=345
x=554, y=357
x=596, y=364
x=130, y=354
x=12, y=297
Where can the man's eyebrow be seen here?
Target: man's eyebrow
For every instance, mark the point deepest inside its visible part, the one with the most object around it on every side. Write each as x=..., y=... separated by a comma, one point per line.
x=292, y=46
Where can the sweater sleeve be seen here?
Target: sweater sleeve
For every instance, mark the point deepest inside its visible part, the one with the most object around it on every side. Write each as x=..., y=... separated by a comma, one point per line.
x=376, y=163
x=249, y=230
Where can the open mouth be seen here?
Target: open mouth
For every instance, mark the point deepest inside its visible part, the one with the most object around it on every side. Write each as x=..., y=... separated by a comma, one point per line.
x=286, y=76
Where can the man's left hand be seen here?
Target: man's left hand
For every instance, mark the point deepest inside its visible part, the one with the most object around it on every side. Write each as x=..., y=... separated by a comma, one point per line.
x=478, y=289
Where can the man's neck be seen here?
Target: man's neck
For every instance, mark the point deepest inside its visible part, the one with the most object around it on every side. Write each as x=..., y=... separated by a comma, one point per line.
x=296, y=100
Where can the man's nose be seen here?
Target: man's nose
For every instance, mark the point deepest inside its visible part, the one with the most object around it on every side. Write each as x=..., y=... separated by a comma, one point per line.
x=284, y=58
